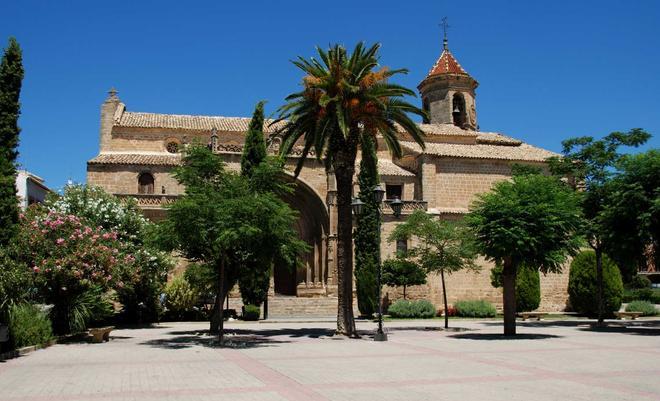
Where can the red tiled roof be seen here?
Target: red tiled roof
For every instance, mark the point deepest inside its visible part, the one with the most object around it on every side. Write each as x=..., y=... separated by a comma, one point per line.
x=447, y=64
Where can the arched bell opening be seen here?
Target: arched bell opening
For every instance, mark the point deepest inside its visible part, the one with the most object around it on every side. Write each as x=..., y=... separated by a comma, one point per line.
x=458, y=110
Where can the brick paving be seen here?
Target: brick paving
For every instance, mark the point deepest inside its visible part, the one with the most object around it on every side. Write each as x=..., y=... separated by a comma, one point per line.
x=562, y=360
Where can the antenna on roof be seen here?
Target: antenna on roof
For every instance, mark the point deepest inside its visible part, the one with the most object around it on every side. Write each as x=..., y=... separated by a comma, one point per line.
x=445, y=28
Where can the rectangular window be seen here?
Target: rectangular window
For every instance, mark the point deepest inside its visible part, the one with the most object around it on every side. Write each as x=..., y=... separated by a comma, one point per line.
x=401, y=246
x=393, y=191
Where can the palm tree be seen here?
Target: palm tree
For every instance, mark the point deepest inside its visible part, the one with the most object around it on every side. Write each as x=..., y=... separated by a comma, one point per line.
x=344, y=99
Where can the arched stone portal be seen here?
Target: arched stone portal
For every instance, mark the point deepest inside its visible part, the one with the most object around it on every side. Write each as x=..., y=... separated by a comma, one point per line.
x=310, y=278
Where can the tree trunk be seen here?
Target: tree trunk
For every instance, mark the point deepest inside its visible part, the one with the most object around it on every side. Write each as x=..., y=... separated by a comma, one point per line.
x=404, y=292
x=444, y=298
x=599, y=280
x=345, y=319
x=509, y=297
x=216, y=314
x=221, y=295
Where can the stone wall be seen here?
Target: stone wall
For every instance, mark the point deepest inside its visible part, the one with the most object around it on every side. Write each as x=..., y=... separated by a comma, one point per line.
x=123, y=179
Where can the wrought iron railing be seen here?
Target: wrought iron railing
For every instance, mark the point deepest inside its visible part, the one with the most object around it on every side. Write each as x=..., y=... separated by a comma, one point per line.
x=150, y=200
x=408, y=206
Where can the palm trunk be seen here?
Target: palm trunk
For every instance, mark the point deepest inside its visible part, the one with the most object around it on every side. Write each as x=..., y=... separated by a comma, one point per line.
x=599, y=279
x=509, y=297
x=444, y=298
x=345, y=318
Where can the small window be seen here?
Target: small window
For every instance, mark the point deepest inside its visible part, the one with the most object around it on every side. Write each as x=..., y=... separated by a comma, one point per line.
x=146, y=183
x=393, y=191
x=172, y=147
x=401, y=246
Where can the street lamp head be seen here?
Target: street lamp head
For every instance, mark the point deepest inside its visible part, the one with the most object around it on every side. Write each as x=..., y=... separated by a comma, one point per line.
x=378, y=193
x=396, y=206
x=357, y=206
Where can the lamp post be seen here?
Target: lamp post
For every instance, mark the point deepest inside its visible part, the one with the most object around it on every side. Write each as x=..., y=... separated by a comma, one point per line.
x=378, y=193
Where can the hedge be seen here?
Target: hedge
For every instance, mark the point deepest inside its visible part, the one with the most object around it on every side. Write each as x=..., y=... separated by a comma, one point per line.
x=583, y=286
x=478, y=308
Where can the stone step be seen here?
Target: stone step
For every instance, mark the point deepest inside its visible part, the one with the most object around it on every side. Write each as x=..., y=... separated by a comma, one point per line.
x=296, y=307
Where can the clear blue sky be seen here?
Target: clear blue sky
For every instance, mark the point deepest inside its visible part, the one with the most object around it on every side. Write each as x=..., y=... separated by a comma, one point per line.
x=548, y=70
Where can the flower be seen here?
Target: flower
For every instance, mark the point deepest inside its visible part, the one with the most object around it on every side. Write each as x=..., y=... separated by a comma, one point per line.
x=59, y=241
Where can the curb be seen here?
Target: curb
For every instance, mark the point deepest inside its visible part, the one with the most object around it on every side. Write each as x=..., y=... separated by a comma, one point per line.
x=26, y=350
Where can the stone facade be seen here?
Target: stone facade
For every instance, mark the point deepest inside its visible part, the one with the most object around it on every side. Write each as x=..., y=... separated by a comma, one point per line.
x=138, y=151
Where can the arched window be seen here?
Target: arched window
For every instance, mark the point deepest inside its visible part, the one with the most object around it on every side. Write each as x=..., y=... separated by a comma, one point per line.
x=458, y=110
x=146, y=183
x=426, y=106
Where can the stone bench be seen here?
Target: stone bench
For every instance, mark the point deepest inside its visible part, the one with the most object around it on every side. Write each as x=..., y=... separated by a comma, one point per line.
x=531, y=315
x=631, y=315
x=100, y=334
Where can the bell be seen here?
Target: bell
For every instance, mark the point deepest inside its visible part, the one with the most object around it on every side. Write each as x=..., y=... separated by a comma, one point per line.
x=456, y=110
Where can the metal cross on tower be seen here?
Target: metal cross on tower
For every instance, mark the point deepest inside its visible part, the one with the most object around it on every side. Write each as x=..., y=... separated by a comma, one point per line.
x=445, y=27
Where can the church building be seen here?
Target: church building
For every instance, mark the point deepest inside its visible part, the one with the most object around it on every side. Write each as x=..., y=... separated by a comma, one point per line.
x=137, y=151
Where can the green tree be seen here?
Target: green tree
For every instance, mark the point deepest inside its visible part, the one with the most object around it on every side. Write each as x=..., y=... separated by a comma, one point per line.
x=366, y=237
x=530, y=220
x=343, y=100
x=583, y=286
x=11, y=79
x=401, y=272
x=590, y=164
x=528, y=286
x=254, y=148
x=631, y=218
x=220, y=219
x=442, y=246
x=254, y=276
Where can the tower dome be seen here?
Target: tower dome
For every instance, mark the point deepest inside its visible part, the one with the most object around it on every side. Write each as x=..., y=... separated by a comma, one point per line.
x=448, y=93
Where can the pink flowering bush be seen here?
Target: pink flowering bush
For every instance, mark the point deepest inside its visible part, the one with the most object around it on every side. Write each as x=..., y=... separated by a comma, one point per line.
x=68, y=258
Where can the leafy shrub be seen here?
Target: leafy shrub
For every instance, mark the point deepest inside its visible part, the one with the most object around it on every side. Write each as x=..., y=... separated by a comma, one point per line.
x=251, y=312
x=15, y=282
x=644, y=294
x=68, y=257
x=528, y=287
x=140, y=292
x=28, y=325
x=478, y=308
x=142, y=269
x=583, y=286
x=180, y=297
x=92, y=307
x=639, y=282
x=253, y=281
x=402, y=272
x=421, y=309
x=451, y=311
x=647, y=308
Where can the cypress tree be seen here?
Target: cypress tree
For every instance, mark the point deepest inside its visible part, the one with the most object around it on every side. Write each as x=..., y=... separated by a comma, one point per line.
x=254, y=149
x=11, y=77
x=254, y=275
x=366, y=232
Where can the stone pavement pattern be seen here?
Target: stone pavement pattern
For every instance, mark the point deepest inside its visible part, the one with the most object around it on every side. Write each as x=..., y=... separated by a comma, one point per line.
x=288, y=361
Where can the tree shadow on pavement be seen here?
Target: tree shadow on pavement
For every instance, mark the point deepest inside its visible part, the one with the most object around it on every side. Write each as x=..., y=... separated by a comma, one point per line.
x=639, y=328
x=235, y=338
x=497, y=336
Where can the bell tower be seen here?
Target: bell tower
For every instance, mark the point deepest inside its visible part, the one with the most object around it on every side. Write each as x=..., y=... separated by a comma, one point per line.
x=448, y=92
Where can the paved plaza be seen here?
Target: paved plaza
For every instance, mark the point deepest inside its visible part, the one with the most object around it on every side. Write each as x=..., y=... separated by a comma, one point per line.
x=562, y=360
